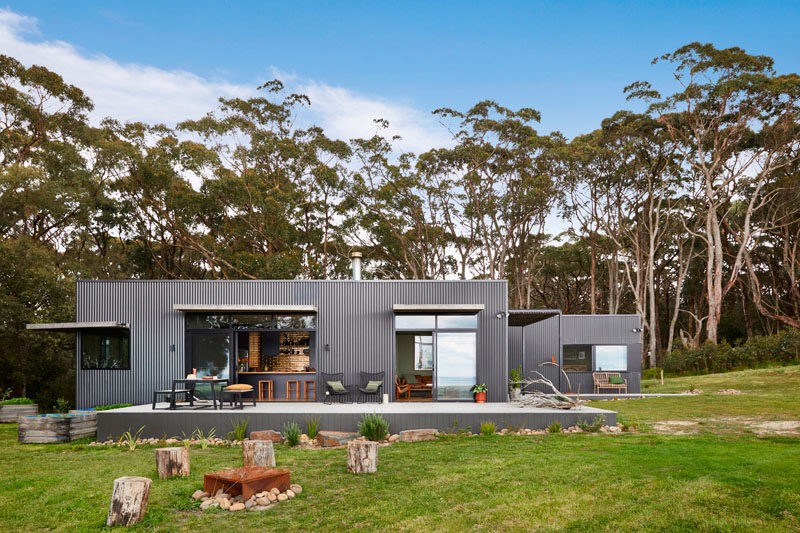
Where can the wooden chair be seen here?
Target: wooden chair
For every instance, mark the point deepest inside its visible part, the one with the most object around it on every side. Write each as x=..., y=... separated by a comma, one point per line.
x=265, y=392
x=309, y=386
x=293, y=385
x=401, y=387
x=601, y=381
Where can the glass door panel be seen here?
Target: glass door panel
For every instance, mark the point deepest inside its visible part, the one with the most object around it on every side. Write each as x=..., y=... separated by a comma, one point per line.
x=456, y=364
x=211, y=355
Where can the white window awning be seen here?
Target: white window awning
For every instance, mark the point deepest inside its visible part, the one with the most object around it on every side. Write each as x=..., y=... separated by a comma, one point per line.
x=75, y=326
x=244, y=308
x=438, y=308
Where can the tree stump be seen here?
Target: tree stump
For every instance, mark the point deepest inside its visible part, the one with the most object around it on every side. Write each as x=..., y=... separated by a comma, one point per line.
x=362, y=457
x=128, y=501
x=172, y=462
x=258, y=453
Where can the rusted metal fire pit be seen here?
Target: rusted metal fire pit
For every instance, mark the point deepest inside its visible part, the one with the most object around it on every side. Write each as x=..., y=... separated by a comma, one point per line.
x=246, y=480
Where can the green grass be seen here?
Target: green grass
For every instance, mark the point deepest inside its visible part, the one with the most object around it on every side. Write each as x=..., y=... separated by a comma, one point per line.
x=710, y=481
x=769, y=394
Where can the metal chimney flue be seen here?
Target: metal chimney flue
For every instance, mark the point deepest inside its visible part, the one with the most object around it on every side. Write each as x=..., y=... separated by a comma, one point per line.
x=355, y=257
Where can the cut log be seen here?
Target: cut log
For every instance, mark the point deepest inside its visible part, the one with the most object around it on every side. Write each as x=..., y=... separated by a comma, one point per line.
x=171, y=462
x=128, y=501
x=258, y=453
x=362, y=457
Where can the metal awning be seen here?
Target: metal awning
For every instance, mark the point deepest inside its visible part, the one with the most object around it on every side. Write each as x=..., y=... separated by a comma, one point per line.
x=75, y=326
x=438, y=308
x=244, y=308
x=526, y=317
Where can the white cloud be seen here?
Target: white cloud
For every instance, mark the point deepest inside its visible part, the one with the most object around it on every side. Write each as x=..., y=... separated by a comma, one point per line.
x=128, y=91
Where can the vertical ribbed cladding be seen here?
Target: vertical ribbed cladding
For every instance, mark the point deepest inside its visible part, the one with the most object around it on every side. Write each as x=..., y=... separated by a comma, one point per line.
x=541, y=345
x=354, y=317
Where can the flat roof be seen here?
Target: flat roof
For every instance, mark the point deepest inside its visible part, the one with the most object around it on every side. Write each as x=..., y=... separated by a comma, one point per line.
x=245, y=308
x=526, y=317
x=75, y=326
x=438, y=308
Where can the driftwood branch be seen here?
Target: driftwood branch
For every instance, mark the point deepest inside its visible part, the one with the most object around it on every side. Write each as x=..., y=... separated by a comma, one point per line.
x=554, y=399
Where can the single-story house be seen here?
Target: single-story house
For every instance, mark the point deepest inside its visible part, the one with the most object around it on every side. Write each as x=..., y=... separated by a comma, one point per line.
x=440, y=337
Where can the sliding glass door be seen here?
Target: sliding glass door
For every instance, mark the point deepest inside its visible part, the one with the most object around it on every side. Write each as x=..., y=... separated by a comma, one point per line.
x=210, y=354
x=456, y=363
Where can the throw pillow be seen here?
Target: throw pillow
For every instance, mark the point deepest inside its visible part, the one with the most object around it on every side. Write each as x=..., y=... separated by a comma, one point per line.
x=336, y=386
x=372, y=386
x=616, y=380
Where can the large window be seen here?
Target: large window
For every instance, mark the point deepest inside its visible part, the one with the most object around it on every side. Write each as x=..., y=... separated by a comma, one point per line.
x=105, y=350
x=456, y=361
x=610, y=358
x=600, y=357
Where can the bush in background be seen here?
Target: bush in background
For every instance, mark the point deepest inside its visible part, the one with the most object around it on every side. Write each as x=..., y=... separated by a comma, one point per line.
x=780, y=349
x=373, y=426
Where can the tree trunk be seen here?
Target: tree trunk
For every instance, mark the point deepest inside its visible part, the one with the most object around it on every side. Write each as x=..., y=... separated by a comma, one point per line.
x=362, y=457
x=258, y=453
x=171, y=462
x=128, y=501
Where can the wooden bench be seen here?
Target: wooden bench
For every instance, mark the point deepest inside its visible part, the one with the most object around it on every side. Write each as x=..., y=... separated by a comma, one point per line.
x=601, y=381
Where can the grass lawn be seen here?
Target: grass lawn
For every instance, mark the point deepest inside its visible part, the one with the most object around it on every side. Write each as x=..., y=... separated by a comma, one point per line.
x=715, y=480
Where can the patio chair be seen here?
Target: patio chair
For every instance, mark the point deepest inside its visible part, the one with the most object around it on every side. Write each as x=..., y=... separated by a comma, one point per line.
x=335, y=388
x=172, y=394
x=371, y=386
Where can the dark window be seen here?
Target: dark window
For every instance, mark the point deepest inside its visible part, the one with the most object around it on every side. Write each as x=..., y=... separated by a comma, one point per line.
x=105, y=350
x=251, y=321
x=578, y=357
x=203, y=321
x=295, y=321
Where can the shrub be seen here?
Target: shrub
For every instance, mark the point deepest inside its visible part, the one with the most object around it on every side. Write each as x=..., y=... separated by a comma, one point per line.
x=204, y=438
x=595, y=426
x=373, y=426
x=112, y=406
x=62, y=406
x=455, y=430
x=555, y=427
x=291, y=433
x=312, y=426
x=17, y=401
x=239, y=429
x=488, y=428
x=130, y=439
x=780, y=349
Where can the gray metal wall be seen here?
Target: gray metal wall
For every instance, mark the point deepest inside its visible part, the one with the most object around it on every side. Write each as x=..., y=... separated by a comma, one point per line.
x=541, y=345
x=542, y=342
x=354, y=317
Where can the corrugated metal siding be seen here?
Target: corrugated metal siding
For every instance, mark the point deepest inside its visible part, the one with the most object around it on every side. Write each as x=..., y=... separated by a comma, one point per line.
x=601, y=329
x=541, y=345
x=515, y=349
x=355, y=318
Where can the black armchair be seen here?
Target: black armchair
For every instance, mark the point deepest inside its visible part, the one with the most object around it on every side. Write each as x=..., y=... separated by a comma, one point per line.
x=368, y=392
x=331, y=393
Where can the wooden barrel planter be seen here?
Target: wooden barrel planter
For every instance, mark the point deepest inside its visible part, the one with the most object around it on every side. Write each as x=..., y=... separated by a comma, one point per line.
x=89, y=430
x=46, y=429
x=10, y=413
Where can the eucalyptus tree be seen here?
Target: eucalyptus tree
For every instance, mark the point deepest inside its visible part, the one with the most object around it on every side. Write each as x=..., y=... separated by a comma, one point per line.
x=500, y=181
x=734, y=120
x=392, y=213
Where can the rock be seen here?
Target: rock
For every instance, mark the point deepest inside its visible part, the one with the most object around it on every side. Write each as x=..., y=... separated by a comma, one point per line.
x=503, y=431
x=248, y=504
x=262, y=501
x=272, y=497
x=394, y=438
x=219, y=493
x=239, y=506
x=205, y=498
x=275, y=491
x=416, y=435
x=238, y=498
x=267, y=434
x=199, y=494
x=282, y=497
x=206, y=504
x=297, y=489
x=728, y=391
x=172, y=441
x=290, y=493
x=224, y=503
x=328, y=439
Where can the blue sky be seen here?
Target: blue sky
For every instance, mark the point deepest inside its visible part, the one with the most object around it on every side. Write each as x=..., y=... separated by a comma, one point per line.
x=568, y=60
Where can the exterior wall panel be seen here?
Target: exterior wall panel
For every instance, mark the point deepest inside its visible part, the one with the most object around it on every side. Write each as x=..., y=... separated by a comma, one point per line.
x=355, y=319
x=541, y=345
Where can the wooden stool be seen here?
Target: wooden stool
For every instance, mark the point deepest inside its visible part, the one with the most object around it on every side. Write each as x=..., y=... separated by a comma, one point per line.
x=293, y=385
x=265, y=386
x=309, y=384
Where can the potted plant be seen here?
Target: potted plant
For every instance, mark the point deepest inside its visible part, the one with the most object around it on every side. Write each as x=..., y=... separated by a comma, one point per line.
x=515, y=384
x=479, y=392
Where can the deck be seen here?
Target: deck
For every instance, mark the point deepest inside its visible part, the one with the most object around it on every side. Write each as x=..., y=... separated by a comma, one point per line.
x=341, y=417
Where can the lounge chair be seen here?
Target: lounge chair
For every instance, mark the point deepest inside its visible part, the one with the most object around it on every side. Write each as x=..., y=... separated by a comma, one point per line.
x=335, y=388
x=371, y=386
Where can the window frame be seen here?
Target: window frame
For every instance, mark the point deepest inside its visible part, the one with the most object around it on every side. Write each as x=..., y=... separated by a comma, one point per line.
x=102, y=335
x=594, y=358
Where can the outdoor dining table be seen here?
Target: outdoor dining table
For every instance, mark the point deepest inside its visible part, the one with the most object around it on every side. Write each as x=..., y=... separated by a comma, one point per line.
x=194, y=382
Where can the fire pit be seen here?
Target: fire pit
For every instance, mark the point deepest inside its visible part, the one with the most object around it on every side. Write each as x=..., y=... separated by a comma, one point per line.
x=246, y=481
